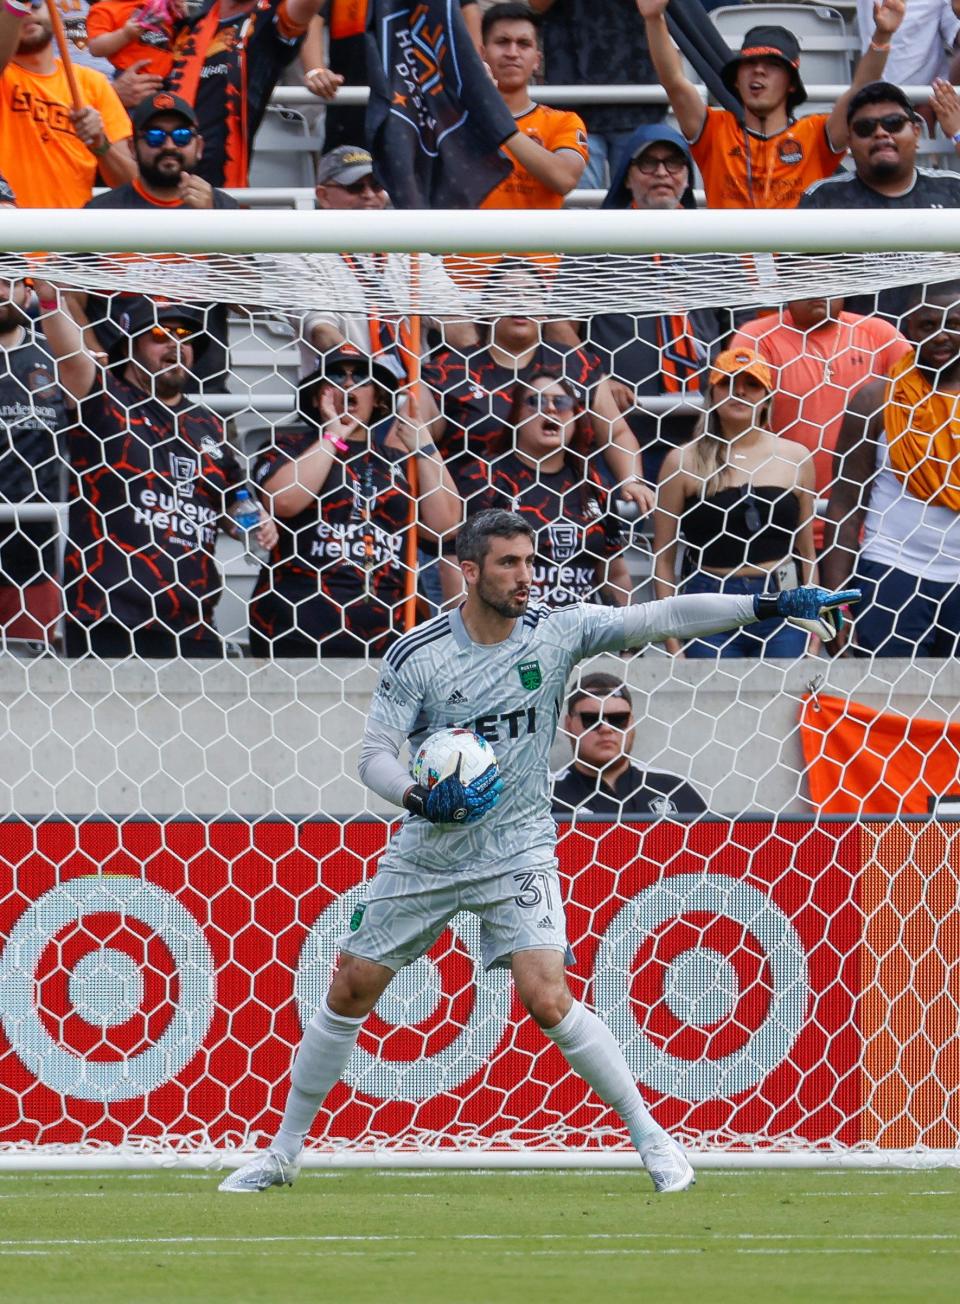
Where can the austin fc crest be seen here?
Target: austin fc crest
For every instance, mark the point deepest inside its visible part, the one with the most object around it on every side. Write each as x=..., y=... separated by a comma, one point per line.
x=530, y=674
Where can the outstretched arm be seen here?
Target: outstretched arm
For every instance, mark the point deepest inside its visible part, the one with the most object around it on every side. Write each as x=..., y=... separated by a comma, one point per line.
x=887, y=17
x=696, y=614
x=684, y=97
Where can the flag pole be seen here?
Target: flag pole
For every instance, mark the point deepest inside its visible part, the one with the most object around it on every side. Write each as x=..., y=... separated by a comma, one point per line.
x=60, y=36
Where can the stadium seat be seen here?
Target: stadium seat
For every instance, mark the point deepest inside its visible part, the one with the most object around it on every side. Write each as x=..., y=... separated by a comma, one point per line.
x=284, y=151
x=830, y=48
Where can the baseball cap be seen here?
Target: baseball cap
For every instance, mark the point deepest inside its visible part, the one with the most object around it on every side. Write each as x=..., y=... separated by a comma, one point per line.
x=879, y=92
x=344, y=165
x=736, y=362
x=137, y=313
x=384, y=369
x=162, y=102
x=771, y=42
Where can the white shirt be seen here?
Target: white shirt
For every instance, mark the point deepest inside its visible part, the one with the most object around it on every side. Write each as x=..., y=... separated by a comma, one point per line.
x=904, y=532
x=359, y=286
x=918, y=49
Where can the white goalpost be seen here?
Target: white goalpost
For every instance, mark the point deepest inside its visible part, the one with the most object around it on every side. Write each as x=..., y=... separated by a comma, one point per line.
x=184, y=842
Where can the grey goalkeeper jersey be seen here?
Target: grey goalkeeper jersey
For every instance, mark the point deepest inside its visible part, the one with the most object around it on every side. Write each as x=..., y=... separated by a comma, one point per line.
x=512, y=694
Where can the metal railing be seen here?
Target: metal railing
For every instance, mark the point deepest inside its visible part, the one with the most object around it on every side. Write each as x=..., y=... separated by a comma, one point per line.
x=570, y=96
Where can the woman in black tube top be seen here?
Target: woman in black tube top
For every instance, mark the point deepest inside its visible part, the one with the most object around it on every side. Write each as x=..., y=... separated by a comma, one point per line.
x=741, y=500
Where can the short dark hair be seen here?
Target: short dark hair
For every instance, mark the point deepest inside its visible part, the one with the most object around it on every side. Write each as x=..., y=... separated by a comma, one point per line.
x=508, y=12
x=937, y=290
x=879, y=92
x=599, y=685
x=473, y=538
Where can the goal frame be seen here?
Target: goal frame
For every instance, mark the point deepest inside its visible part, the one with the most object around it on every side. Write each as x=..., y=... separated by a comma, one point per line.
x=621, y=232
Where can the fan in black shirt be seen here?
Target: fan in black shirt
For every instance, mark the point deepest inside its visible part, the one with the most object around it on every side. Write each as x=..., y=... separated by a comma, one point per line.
x=342, y=490
x=602, y=780
x=540, y=472
x=168, y=180
x=153, y=480
x=885, y=130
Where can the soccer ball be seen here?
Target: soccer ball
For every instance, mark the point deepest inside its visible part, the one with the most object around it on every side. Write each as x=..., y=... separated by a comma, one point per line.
x=438, y=757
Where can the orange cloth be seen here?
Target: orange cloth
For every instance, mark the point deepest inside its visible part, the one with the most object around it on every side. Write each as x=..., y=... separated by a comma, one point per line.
x=108, y=16
x=40, y=154
x=781, y=167
x=817, y=372
x=347, y=18
x=923, y=436
x=553, y=129
x=864, y=762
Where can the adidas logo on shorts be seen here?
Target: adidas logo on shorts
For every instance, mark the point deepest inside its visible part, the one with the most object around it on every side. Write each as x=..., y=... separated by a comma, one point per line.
x=545, y=922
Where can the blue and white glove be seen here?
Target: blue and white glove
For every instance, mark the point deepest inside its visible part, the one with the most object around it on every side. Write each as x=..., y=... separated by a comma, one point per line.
x=453, y=802
x=818, y=611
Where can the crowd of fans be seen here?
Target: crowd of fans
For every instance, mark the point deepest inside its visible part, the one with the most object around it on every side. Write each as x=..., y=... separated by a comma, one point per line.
x=828, y=440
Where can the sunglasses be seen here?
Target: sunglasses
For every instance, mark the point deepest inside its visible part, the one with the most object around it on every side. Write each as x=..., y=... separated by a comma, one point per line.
x=157, y=136
x=347, y=376
x=892, y=123
x=358, y=187
x=649, y=166
x=540, y=402
x=614, y=719
x=163, y=334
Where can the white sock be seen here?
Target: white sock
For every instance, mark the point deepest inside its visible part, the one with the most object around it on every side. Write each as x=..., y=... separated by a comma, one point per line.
x=327, y=1043
x=592, y=1051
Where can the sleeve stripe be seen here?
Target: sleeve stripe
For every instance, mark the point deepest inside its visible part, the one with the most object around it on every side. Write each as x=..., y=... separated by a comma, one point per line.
x=416, y=639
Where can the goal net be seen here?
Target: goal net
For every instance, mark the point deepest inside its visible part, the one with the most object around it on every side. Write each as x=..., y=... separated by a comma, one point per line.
x=757, y=844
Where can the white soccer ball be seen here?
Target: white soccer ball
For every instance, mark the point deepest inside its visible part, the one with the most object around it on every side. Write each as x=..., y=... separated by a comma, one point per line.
x=441, y=753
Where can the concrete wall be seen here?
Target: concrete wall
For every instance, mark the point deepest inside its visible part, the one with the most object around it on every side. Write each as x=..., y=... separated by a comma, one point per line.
x=251, y=738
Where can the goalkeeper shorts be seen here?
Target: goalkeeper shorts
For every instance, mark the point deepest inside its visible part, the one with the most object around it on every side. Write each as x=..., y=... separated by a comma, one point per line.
x=407, y=908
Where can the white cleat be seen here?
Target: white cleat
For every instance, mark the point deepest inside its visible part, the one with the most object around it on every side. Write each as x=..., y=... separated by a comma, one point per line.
x=268, y=1169
x=667, y=1165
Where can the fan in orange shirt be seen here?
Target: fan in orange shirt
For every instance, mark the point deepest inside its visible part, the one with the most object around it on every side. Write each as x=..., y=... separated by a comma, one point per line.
x=49, y=151
x=549, y=151
x=822, y=356
x=770, y=158
x=131, y=31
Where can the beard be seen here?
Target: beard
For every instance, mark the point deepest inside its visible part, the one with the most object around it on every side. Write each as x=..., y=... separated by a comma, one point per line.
x=30, y=45
x=886, y=169
x=154, y=176
x=170, y=384
x=11, y=316
x=503, y=606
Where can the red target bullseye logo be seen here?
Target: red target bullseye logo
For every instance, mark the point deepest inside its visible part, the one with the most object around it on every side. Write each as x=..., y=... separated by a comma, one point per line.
x=718, y=987
x=706, y=969
x=106, y=988
x=416, y=1023
x=438, y=1022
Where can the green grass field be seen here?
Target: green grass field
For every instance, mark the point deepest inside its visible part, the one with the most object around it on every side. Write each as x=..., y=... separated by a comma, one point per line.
x=466, y=1237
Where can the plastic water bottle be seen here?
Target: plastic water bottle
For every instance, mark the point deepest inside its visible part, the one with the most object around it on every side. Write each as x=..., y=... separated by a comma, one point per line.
x=246, y=517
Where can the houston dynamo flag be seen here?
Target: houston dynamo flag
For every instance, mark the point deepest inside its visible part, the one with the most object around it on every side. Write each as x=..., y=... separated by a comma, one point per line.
x=435, y=121
x=704, y=48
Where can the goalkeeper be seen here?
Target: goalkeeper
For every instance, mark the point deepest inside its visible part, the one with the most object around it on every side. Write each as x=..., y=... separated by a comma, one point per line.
x=497, y=666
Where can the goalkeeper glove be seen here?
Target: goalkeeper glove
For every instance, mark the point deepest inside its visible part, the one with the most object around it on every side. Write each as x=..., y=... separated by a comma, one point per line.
x=452, y=802
x=815, y=610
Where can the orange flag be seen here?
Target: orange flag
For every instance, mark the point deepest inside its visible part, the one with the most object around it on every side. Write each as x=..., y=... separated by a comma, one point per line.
x=863, y=762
